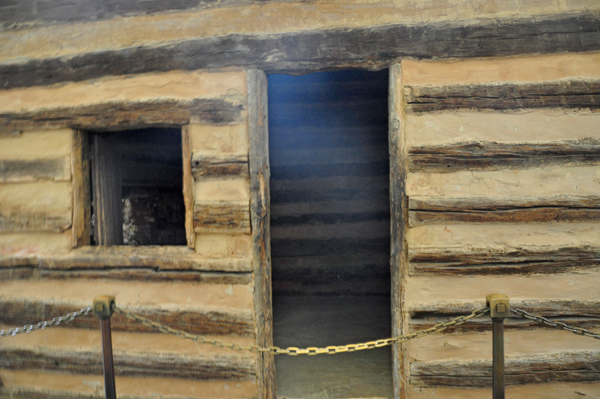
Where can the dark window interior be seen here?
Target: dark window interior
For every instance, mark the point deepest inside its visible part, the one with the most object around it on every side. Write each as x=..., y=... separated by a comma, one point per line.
x=137, y=183
x=330, y=230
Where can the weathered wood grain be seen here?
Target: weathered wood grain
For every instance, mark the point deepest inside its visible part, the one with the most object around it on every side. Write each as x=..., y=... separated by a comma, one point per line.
x=125, y=115
x=222, y=217
x=487, y=155
x=548, y=368
x=258, y=128
x=34, y=222
x=166, y=365
x=563, y=94
x=188, y=186
x=210, y=166
x=500, y=261
x=20, y=170
x=399, y=227
x=436, y=210
x=61, y=11
x=18, y=273
x=583, y=314
x=214, y=321
x=82, y=202
x=367, y=48
x=161, y=258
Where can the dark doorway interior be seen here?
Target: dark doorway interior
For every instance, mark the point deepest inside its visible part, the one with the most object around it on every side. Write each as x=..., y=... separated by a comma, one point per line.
x=330, y=230
x=137, y=188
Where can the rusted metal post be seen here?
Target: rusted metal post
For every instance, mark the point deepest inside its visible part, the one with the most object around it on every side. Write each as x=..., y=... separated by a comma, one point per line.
x=103, y=308
x=499, y=305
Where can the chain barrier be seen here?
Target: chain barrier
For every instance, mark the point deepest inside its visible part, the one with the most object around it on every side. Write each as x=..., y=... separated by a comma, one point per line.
x=45, y=324
x=555, y=324
x=293, y=351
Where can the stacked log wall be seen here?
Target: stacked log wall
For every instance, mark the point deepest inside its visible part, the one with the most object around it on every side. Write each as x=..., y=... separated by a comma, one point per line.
x=47, y=269
x=501, y=159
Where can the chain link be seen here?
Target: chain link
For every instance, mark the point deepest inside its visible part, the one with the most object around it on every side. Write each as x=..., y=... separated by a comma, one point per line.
x=555, y=324
x=293, y=351
x=44, y=324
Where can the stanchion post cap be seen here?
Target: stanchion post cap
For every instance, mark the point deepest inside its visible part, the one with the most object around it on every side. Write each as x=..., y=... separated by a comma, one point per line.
x=499, y=305
x=103, y=306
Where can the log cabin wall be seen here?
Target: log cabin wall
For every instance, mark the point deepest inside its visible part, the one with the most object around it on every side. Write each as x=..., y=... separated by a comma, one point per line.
x=502, y=184
x=47, y=268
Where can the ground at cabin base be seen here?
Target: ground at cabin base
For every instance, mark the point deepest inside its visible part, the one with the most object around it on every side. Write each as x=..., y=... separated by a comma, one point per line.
x=324, y=321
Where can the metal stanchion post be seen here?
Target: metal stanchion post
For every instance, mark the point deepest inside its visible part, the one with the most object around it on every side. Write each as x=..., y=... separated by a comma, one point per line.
x=499, y=305
x=103, y=308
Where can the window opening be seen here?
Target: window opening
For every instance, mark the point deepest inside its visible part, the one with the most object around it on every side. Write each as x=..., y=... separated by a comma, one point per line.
x=330, y=230
x=137, y=187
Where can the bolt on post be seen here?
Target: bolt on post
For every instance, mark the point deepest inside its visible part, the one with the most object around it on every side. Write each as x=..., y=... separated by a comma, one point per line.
x=103, y=308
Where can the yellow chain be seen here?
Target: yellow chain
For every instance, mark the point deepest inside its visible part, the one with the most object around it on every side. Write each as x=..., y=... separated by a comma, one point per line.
x=293, y=351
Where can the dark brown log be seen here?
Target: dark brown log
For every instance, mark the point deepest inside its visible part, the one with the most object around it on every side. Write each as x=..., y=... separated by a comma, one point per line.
x=258, y=127
x=82, y=202
x=340, y=48
x=17, y=170
x=25, y=12
x=560, y=367
x=188, y=186
x=399, y=227
x=204, y=166
x=129, y=364
x=128, y=115
x=22, y=312
x=34, y=222
x=157, y=257
x=18, y=273
x=222, y=217
x=564, y=94
x=433, y=210
x=500, y=156
x=485, y=261
x=583, y=314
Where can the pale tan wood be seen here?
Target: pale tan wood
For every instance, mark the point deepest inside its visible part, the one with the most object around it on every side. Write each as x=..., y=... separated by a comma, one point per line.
x=80, y=166
x=188, y=186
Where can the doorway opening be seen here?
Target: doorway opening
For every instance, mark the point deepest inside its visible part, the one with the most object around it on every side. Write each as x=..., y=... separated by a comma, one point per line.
x=330, y=230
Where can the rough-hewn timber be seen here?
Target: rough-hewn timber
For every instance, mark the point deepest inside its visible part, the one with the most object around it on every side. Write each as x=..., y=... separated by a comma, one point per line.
x=258, y=127
x=21, y=312
x=368, y=48
x=80, y=169
x=167, y=365
x=501, y=156
x=560, y=367
x=127, y=115
x=205, y=166
x=564, y=94
x=222, y=217
x=435, y=210
x=34, y=222
x=162, y=258
x=20, y=170
x=188, y=186
x=522, y=260
x=583, y=314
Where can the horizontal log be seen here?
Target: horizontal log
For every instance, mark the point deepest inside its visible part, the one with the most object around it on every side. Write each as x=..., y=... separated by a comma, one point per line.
x=34, y=222
x=340, y=48
x=489, y=155
x=21, y=312
x=20, y=170
x=155, y=257
x=222, y=217
x=207, y=166
x=563, y=94
x=127, y=115
x=18, y=273
x=31, y=11
x=484, y=261
x=128, y=364
x=583, y=314
x=436, y=210
x=548, y=368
